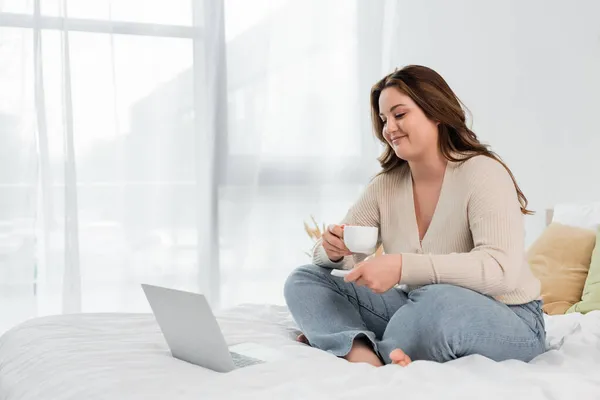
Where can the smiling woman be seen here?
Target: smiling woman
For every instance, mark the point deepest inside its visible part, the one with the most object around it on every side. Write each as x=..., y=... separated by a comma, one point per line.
x=437, y=120
x=402, y=117
x=450, y=218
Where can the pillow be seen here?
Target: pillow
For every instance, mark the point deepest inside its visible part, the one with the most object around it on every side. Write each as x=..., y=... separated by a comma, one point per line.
x=584, y=215
x=560, y=258
x=590, y=300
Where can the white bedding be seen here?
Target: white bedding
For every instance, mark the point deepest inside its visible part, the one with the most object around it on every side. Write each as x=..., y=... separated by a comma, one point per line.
x=124, y=356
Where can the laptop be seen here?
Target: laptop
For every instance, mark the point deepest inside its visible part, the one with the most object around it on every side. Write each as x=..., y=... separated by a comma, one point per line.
x=192, y=332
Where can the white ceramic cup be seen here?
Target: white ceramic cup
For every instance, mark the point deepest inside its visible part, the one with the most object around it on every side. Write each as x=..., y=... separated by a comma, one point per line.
x=360, y=239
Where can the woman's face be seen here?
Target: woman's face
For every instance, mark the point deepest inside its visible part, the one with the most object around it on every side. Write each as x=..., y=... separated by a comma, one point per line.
x=406, y=127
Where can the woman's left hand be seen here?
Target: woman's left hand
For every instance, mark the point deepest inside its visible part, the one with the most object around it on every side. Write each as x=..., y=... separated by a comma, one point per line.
x=379, y=274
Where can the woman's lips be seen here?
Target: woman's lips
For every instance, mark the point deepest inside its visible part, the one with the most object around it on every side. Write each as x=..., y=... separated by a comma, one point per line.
x=397, y=139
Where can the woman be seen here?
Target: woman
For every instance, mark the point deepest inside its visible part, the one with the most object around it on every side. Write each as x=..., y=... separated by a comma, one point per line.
x=450, y=218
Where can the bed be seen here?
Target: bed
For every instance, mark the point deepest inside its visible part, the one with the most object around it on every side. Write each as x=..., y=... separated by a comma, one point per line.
x=124, y=356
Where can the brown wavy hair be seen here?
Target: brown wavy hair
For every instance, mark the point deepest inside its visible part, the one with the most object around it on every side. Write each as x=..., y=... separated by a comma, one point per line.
x=439, y=103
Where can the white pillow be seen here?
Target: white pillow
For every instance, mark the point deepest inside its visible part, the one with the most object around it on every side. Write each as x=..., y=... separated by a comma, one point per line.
x=580, y=215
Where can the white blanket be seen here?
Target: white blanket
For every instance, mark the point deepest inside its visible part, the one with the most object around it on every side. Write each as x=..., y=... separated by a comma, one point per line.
x=124, y=356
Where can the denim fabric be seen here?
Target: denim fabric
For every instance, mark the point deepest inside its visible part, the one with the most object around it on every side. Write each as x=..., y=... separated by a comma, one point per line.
x=435, y=322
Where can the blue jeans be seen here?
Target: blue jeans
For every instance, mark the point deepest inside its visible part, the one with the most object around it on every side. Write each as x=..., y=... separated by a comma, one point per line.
x=435, y=322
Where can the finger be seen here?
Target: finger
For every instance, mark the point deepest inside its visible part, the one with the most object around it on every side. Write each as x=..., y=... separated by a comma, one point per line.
x=376, y=289
x=354, y=274
x=336, y=243
x=334, y=251
x=362, y=282
x=336, y=230
x=334, y=256
x=329, y=247
x=329, y=239
x=341, y=246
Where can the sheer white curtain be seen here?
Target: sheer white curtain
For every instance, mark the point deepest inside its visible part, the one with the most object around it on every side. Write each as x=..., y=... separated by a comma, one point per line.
x=108, y=117
x=181, y=143
x=299, y=141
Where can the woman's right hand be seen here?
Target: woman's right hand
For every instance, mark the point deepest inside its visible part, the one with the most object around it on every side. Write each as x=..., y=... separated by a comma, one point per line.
x=333, y=243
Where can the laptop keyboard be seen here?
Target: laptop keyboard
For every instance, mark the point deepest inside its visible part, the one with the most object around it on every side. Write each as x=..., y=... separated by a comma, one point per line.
x=243, y=361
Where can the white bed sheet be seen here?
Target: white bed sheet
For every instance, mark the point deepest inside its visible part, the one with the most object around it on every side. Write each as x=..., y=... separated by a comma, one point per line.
x=124, y=356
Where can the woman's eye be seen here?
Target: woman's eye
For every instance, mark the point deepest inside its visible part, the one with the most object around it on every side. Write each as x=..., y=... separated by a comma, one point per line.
x=398, y=116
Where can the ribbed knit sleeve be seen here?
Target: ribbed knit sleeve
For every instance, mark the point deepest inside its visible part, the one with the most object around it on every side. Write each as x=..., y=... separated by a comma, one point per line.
x=493, y=266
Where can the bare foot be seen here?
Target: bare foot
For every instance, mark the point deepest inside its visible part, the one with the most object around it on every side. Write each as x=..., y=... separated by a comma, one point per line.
x=302, y=339
x=400, y=358
x=363, y=352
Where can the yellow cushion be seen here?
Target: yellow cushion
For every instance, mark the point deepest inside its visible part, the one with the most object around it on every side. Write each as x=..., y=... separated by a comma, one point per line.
x=560, y=258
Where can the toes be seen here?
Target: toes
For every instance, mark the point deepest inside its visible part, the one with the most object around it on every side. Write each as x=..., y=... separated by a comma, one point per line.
x=399, y=357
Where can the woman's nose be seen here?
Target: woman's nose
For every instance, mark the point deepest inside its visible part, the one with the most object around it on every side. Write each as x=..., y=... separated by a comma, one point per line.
x=392, y=125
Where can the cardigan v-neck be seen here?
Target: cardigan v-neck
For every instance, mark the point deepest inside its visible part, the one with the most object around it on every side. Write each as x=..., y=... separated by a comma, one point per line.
x=475, y=239
x=411, y=201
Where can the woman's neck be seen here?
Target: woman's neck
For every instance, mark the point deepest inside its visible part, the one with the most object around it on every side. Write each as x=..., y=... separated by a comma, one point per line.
x=428, y=169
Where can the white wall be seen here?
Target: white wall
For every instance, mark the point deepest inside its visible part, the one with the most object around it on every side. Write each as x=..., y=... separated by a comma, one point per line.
x=529, y=71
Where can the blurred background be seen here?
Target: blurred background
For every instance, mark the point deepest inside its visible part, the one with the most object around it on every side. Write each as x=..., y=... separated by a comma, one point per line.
x=185, y=142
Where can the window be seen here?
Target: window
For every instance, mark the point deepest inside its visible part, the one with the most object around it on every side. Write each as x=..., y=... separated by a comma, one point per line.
x=296, y=144
x=123, y=85
x=113, y=152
